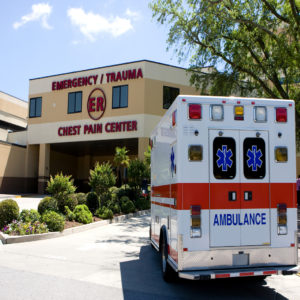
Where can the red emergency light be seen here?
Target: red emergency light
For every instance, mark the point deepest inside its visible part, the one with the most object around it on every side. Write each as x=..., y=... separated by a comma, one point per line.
x=195, y=111
x=281, y=114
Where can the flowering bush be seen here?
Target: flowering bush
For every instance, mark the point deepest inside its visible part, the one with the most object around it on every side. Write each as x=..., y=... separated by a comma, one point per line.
x=25, y=228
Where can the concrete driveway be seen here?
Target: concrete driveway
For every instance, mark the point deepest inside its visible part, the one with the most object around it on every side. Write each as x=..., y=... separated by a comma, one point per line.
x=114, y=262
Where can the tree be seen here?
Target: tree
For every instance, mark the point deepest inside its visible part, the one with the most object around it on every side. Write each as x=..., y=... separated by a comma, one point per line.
x=137, y=172
x=248, y=45
x=102, y=178
x=147, y=162
x=121, y=160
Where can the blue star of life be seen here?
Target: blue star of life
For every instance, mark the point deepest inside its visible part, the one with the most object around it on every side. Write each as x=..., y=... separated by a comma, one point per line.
x=172, y=161
x=254, y=160
x=224, y=160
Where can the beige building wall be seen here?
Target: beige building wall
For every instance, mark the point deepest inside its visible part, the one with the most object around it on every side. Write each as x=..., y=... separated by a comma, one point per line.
x=13, y=110
x=12, y=168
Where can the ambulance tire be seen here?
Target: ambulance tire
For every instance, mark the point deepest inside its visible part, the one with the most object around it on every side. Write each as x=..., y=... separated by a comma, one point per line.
x=169, y=275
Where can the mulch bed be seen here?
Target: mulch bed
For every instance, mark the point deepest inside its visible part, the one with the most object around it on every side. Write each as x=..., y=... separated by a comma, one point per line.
x=70, y=224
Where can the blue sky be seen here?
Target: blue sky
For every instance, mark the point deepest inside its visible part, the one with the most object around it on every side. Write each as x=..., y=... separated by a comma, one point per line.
x=45, y=38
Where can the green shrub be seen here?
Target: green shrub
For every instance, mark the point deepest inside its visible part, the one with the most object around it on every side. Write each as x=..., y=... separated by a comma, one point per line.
x=9, y=211
x=127, y=206
x=71, y=201
x=102, y=178
x=142, y=203
x=105, y=213
x=83, y=214
x=70, y=216
x=54, y=221
x=81, y=198
x=60, y=186
x=115, y=207
x=48, y=203
x=29, y=216
x=92, y=201
x=25, y=228
x=124, y=199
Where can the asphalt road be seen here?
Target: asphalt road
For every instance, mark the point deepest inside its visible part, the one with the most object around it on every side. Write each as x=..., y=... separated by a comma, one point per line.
x=114, y=262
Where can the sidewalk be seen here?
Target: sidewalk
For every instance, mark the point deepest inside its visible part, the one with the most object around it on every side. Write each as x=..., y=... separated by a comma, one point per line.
x=24, y=201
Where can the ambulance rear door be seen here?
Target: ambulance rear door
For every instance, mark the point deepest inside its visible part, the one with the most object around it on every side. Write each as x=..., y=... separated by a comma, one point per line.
x=255, y=188
x=239, y=188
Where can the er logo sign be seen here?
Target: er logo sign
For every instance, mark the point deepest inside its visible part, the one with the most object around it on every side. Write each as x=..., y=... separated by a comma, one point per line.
x=96, y=104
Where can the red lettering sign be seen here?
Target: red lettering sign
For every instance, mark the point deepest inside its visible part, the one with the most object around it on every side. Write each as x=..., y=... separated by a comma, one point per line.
x=96, y=104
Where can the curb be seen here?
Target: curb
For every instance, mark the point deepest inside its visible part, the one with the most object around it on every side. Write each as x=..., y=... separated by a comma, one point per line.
x=6, y=239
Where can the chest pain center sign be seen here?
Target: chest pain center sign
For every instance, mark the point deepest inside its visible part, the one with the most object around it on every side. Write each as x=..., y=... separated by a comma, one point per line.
x=96, y=106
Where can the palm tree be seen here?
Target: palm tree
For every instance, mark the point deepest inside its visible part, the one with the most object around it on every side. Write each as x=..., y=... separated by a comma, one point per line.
x=121, y=160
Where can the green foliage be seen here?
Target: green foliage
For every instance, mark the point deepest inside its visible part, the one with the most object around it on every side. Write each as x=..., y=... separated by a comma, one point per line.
x=102, y=178
x=71, y=201
x=83, y=214
x=29, y=216
x=105, y=213
x=142, y=203
x=127, y=206
x=54, y=221
x=147, y=163
x=25, y=228
x=121, y=160
x=81, y=198
x=48, y=203
x=115, y=207
x=70, y=216
x=136, y=172
x=60, y=186
x=9, y=211
x=249, y=45
x=92, y=201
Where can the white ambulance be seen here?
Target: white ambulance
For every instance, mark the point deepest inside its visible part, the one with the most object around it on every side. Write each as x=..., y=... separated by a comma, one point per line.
x=223, y=192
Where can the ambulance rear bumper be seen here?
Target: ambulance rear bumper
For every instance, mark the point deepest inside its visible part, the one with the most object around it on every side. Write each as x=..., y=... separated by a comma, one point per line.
x=240, y=272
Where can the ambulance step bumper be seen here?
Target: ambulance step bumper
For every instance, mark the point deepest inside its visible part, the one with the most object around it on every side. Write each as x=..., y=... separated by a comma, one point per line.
x=230, y=273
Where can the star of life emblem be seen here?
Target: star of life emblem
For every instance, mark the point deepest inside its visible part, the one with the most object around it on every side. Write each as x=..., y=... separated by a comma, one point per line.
x=224, y=160
x=172, y=157
x=254, y=160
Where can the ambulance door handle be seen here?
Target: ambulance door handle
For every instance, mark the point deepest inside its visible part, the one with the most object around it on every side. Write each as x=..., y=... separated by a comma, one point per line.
x=232, y=196
x=247, y=195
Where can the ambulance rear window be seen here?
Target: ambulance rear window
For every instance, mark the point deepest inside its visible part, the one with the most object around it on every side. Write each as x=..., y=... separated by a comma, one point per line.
x=254, y=158
x=224, y=157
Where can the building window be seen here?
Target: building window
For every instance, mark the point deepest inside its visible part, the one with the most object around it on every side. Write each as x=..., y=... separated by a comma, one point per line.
x=74, y=102
x=35, y=107
x=169, y=95
x=120, y=96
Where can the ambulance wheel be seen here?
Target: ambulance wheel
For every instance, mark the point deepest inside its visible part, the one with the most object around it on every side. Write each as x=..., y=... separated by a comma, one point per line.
x=168, y=273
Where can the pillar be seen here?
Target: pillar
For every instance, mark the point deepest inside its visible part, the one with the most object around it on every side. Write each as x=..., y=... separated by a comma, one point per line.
x=44, y=167
x=142, y=147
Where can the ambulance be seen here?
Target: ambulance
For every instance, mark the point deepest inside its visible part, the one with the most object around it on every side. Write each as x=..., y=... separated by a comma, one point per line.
x=223, y=188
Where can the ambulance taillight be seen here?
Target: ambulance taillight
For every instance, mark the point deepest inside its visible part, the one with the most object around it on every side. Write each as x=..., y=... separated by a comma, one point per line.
x=195, y=221
x=281, y=115
x=194, y=111
x=282, y=218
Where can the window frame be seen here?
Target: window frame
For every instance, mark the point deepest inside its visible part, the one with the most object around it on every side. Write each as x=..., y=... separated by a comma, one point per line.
x=119, y=88
x=75, y=94
x=169, y=87
x=35, y=100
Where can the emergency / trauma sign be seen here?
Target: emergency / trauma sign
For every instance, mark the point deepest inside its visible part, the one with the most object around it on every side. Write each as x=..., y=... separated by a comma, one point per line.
x=224, y=158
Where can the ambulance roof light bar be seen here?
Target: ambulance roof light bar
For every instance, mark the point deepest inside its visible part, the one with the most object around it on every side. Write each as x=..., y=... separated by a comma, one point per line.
x=281, y=114
x=194, y=111
x=217, y=112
